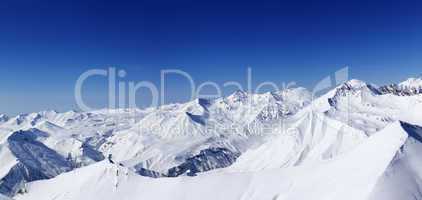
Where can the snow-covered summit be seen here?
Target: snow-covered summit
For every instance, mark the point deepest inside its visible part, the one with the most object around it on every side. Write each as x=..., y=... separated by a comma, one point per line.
x=355, y=86
x=415, y=83
x=355, y=83
x=238, y=96
x=3, y=118
x=410, y=87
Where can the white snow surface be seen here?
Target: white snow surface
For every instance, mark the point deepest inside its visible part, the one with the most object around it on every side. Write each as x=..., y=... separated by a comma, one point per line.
x=2, y=197
x=341, y=178
x=7, y=159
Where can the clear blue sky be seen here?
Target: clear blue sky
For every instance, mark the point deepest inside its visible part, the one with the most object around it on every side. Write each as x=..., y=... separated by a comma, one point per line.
x=46, y=45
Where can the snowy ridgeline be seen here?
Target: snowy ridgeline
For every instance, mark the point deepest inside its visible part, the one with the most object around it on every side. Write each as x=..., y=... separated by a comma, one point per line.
x=355, y=142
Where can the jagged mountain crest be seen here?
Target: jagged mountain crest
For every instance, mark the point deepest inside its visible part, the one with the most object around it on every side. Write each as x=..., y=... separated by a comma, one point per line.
x=355, y=87
x=238, y=96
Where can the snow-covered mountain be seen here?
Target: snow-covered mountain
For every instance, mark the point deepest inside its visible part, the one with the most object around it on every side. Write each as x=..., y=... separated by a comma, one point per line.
x=357, y=141
x=412, y=83
x=411, y=86
x=3, y=118
x=403, y=177
x=342, y=178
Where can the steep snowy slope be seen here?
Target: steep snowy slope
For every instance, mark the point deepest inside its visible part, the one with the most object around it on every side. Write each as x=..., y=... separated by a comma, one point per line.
x=8, y=160
x=160, y=155
x=403, y=178
x=2, y=197
x=341, y=178
x=306, y=138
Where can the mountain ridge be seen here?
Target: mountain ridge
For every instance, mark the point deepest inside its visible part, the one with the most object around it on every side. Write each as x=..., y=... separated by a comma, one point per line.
x=242, y=134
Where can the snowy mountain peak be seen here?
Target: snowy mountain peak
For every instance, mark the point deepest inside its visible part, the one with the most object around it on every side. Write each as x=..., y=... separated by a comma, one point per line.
x=355, y=86
x=293, y=94
x=412, y=83
x=355, y=83
x=48, y=112
x=25, y=120
x=410, y=87
x=3, y=118
x=238, y=96
x=352, y=86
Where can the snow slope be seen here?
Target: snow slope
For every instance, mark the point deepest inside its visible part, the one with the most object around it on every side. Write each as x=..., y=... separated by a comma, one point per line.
x=342, y=178
x=307, y=138
x=403, y=178
x=8, y=160
x=2, y=197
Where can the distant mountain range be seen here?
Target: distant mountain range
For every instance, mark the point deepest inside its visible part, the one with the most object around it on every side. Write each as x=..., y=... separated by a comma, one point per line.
x=358, y=142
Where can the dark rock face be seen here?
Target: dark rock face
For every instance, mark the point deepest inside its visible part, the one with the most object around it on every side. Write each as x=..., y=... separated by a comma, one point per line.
x=206, y=160
x=414, y=131
x=203, y=117
x=148, y=173
x=89, y=149
x=197, y=118
x=34, y=154
x=36, y=161
x=15, y=180
x=91, y=153
x=204, y=103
